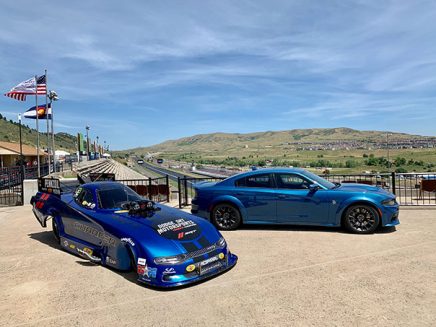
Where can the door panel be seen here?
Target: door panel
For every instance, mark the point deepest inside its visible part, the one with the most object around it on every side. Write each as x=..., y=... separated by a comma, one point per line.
x=257, y=194
x=297, y=204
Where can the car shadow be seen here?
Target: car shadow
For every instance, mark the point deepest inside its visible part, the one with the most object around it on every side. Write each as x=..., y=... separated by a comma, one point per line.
x=306, y=228
x=47, y=238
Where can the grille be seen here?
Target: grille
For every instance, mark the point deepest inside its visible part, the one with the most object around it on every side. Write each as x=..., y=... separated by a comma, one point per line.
x=201, y=252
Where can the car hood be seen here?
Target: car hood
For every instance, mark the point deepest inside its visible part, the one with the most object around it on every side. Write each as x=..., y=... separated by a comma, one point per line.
x=166, y=232
x=352, y=187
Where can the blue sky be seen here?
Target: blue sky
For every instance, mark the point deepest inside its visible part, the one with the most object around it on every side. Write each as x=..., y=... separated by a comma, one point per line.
x=142, y=72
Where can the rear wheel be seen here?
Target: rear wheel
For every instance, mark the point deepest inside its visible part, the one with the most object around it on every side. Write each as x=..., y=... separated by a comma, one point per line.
x=361, y=219
x=226, y=216
x=55, y=228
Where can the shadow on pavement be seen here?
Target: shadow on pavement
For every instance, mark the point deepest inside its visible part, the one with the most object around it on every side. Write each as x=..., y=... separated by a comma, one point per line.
x=300, y=228
x=47, y=238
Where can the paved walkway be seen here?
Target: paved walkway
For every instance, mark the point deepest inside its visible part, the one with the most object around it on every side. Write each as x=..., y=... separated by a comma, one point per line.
x=286, y=276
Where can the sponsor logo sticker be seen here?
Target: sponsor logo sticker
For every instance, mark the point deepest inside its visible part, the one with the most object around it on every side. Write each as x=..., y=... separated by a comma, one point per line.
x=141, y=261
x=128, y=240
x=169, y=271
x=190, y=268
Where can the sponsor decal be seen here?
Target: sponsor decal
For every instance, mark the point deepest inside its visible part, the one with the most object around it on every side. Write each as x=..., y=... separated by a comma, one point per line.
x=106, y=239
x=221, y=256
x=169, y=271
x=141, y=261
x=141, y=270
x=72, y=246
x=110, y=260
x=175, y=225
x=210, y=260
x=190, y=268
x=65, y=243
x=151, y=272
x=128, y=240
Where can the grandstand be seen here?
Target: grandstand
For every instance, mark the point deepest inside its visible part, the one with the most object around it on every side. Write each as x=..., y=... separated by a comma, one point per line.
x=121, y=171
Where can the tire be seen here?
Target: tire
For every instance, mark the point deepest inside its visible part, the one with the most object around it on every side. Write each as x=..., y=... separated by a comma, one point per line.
x=55, y=228
x=226, y=216
x=361, y=219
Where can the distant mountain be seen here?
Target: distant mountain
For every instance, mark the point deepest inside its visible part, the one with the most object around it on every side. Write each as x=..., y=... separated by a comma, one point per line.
x=9, y=132
x=231, y=142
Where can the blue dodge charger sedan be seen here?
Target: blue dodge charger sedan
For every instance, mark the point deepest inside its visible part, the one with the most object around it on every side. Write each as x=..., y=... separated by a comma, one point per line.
x=293, y=196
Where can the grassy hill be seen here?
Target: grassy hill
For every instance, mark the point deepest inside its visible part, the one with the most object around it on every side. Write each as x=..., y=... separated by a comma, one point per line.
x=345, y=149
x=9, y=132
x=230, y=142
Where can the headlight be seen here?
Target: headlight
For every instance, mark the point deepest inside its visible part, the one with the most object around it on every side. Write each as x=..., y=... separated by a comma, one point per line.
x=389, y=202
x=171, y=260
x=221, y=242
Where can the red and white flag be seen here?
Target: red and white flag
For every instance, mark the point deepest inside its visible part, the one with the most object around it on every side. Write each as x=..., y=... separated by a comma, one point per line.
x=20, y=91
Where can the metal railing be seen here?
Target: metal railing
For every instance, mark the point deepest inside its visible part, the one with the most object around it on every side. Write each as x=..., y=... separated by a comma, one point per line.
x=186, y=189
x=155, y=189
x=411, y=189
x=11, y=182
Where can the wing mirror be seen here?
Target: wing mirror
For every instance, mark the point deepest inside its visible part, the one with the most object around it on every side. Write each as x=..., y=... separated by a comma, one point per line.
x=313, y=187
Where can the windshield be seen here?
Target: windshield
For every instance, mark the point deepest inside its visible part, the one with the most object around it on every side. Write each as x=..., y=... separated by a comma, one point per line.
x=114, y=197
x=319, y=180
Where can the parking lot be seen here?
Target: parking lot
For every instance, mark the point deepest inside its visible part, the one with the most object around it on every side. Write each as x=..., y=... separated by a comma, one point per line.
x=285, y=276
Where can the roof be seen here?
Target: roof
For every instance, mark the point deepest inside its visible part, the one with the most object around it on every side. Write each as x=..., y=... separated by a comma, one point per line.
x=14, y=149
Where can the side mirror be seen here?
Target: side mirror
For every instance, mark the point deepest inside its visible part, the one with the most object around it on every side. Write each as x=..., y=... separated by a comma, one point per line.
x=313, y=187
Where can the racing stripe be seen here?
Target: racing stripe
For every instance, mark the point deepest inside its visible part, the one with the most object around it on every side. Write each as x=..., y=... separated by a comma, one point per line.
x=190, y=246
x=203, y=242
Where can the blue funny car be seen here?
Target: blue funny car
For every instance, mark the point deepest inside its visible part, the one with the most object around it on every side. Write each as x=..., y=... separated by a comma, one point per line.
x=293, y=196
x=110, y=224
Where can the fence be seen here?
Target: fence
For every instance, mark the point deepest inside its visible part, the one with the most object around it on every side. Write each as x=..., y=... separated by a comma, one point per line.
x=155, y=189
x=186, y=189
x=11, y=182
x=411, y=189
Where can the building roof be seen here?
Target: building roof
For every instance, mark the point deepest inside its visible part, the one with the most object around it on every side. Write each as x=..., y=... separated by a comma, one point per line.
x=14, y=148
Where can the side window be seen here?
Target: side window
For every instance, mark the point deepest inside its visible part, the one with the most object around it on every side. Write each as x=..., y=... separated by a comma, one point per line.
x=261, y=180
x=291, y=181
x=84, y=198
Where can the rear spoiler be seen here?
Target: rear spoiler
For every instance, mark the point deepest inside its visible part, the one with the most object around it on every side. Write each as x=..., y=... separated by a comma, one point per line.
x=50, y=185
x=95, y=177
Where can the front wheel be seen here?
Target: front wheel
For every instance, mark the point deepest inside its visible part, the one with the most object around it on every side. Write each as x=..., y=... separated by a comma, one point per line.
x=226, y=216
x=361, y=219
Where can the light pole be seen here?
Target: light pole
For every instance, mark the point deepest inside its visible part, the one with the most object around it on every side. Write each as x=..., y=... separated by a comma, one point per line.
x=87, y=142
x=96, y=149
x=21, y=144
x=53, y=96
x=387, y=147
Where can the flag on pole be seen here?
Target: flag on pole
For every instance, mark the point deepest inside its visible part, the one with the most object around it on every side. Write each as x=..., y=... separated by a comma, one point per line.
x=20, y=91
x=42, y=112
x=41, y=85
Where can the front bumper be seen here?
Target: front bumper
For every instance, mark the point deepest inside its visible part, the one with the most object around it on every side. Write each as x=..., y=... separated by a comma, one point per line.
x=390, y=216
x=175, y=280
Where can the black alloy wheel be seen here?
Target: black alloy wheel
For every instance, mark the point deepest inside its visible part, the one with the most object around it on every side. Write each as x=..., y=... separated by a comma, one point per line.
x=361, y=219
x=226, y=216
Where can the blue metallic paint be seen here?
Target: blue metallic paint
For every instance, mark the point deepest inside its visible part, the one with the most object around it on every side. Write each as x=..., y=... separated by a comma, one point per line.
x=103, y=232
x=323, y=207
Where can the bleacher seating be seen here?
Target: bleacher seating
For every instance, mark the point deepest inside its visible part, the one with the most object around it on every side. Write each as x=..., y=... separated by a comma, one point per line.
x=121, y=171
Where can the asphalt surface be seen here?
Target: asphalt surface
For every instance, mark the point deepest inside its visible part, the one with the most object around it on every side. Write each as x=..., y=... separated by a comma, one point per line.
x=286, y=276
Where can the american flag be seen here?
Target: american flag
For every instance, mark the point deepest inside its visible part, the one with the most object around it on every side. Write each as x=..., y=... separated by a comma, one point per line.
x=20, y=91
x=41, y=86
x=29, y=87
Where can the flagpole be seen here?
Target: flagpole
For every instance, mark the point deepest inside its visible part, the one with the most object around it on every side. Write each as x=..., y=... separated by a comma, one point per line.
x=37, y=125
x=46, y=119
x=53, y=136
